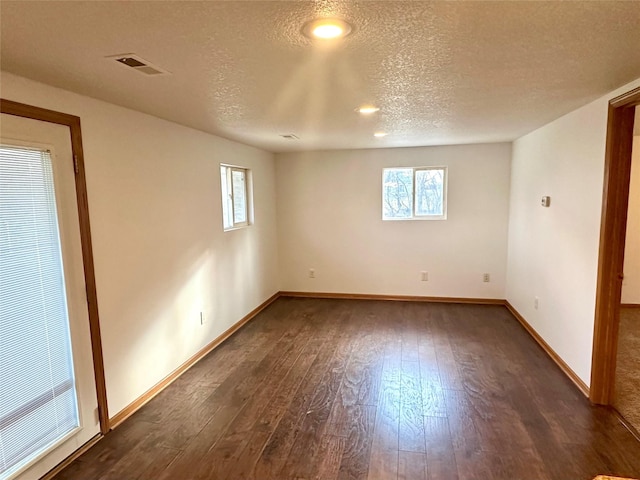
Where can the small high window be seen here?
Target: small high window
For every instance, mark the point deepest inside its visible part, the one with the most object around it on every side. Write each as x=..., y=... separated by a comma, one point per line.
x=414, y=193
x=236, y=196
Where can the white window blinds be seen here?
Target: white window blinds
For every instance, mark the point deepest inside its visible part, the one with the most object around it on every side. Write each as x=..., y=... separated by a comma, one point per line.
x=37, y=392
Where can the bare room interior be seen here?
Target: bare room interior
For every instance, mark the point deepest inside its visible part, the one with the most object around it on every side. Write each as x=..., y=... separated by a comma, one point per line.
x=627, y=382
x=319, y=240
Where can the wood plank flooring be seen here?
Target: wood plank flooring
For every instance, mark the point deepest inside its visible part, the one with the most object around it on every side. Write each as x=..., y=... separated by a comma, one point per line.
x=355, y=389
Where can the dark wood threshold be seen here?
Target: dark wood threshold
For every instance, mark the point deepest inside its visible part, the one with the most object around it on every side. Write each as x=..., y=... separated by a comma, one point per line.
x=134, y=406
x=630, y=305
x=550, y=351
x=626, y=424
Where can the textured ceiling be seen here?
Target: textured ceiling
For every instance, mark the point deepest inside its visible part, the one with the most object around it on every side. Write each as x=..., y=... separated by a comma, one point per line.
x=441, y=72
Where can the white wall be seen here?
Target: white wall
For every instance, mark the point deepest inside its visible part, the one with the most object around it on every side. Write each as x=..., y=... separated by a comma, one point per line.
x=631, y=282
x=330, y=219
x=553, y=252
x=160, y=253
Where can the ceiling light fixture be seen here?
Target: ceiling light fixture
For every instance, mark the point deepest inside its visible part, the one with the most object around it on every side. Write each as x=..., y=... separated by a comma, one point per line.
x=380, y=134
x=326, y=28
x=367, y=109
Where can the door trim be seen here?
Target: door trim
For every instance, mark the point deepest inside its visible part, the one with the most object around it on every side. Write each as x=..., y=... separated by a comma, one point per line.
x=613, y=227
x=10, y=107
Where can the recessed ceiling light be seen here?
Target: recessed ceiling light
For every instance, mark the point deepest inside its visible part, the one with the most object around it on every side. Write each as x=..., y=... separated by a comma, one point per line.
x=367, y=109
x=380, y=134
x=326, y=28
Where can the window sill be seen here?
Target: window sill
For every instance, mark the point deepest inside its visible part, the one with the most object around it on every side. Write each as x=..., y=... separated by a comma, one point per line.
x=419, y=219
x=239, y=227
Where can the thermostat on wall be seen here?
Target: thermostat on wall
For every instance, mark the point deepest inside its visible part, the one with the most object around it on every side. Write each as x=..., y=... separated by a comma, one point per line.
x=546, y=201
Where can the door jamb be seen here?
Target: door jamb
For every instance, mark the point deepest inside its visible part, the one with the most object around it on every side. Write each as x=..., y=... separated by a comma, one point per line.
x=73, y=122
x=615, y=199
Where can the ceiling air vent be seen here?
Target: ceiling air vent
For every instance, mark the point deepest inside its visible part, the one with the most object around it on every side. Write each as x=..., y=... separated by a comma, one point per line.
x=290, y=136
x=137, y=63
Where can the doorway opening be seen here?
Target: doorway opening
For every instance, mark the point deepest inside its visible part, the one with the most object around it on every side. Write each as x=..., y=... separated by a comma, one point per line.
x=54, y=402
x=626, y=394
x=617, y=178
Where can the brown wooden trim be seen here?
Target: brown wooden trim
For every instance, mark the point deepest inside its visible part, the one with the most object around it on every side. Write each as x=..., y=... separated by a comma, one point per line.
x=627, y=425
x=566, y=369
x=67, y=461
x=630, y=305
x=36, y=113
x=134, y=406
x=631, y=98
x=29, y=111
x=615, y=199
x=398, y=298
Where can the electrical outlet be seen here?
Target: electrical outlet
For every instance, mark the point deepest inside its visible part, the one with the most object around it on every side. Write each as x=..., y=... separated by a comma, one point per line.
x=535, y=302
x=424, y=276
x=486, y=277
x=312, y=273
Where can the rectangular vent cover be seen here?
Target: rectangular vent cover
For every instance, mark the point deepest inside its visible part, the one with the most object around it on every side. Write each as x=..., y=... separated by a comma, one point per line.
x=139, y=64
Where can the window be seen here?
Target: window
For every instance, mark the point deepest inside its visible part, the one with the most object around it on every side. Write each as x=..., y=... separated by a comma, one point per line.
x=38, y=405
x=236, y=196
x=414, y=193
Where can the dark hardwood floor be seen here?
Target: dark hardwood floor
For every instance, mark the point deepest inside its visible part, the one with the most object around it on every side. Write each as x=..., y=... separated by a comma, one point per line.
x=354, y=389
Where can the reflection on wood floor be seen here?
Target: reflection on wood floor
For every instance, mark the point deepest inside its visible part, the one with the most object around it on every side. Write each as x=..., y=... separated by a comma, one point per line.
x=355, y=389
x=627, y=389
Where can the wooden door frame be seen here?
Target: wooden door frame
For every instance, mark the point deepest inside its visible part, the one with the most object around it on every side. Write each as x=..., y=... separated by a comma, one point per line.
x=36, y=113
x=613, y=227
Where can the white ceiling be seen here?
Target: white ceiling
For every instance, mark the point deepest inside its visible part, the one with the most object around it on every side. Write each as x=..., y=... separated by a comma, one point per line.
x=441, y=72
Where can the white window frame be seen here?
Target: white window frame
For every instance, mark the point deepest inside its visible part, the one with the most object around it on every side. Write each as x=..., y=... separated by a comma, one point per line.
x=72, y=383
x=228, y=204
x=414, y=215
